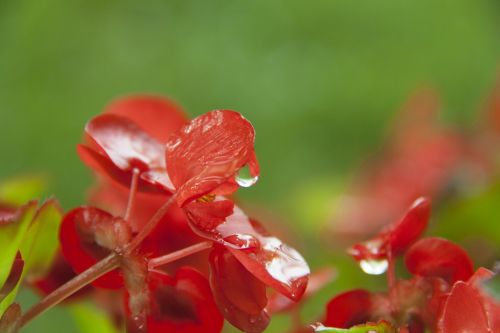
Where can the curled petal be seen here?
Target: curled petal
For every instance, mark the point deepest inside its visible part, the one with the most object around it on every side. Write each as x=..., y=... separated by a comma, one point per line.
x=88, y=234
x=183, y=303
x=117, y=146
x=268, y=258
x=349, y=308
x=398, y=237
x=491, y=305
x=156, y=115
x=205, y=155
x=438, y=257
x=463, y=312
x=239, y=295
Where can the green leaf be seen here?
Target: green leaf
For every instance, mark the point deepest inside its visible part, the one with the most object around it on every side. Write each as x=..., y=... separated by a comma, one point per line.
x=19, y=190
x=380, y=327
x=40, y=243
x=11, y=238
x=91, y=320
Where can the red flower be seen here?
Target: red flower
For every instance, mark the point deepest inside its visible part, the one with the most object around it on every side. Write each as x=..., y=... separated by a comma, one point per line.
x=182, y=303
x=396, y=238
x=87, y=235
x=205, y=155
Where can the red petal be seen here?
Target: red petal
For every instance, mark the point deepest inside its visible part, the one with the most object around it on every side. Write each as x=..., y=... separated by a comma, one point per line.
x=273, y=262
x=208, y=215
x=183, y=303
x=317, y=280
x=349, y=308
x=117, y=146
x=87, y=235
x=463, y=312
x=490, y=305
x=238, y=294
x=156, y=115
x=208, y=152
x=398, y=237
x=7, y=213
x=439, y=257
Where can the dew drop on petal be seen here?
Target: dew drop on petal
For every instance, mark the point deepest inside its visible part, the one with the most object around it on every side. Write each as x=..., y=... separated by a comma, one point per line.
x=374, y=267
x=244, y=178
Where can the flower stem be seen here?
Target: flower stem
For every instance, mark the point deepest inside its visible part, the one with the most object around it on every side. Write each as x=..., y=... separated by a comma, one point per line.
x=131, y=196
x=91, y=274
x=168, y=258
x=146, y=230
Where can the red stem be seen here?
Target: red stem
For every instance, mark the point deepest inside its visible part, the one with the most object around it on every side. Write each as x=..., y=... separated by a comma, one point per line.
x=131, y=196
x=91, y=274
x=168, y=258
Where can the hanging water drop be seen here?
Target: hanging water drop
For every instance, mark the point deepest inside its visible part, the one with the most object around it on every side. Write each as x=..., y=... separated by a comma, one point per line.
x=244, y=177
x=374, y=267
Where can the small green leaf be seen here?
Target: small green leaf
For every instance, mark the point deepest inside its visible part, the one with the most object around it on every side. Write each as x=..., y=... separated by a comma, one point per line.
x=19, y=190
x=40, y=243
x=11, y=238
x=380, y=327
x=91, y=320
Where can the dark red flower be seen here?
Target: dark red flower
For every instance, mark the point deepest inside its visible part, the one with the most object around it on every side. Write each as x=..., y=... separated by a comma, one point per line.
x=182, y=303
x=438, y=257
x=205, y=155
x=349, y=308
x=87, y=235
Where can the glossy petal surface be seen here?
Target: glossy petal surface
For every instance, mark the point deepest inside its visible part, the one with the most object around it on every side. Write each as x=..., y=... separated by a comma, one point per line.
x=208, y=152
x=117, y=146
x=156, y=115
x=239, y=295
x=270, y=260
x=439, y=257
x=88, y=234
x=349, y=308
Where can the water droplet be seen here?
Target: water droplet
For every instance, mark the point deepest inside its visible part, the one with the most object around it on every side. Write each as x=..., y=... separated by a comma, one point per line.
x=244, y=177
x=242, y=241
x=374, y=267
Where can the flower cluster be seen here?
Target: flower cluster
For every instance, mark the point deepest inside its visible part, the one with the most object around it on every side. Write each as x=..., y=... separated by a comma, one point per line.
x=444, y=295
x=161, y=230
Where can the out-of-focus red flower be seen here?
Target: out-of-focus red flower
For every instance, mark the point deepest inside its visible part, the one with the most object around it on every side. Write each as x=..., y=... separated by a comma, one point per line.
x=182, y=303
x=438, y=257
x=419, y=158
x=156, y=115
x=396, y=238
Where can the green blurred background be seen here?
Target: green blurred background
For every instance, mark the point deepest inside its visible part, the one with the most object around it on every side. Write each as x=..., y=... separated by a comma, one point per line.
x=318, y=79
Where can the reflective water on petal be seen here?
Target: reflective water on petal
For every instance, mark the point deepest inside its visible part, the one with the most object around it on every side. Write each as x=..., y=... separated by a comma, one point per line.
x=244, y=177
x=374, y=267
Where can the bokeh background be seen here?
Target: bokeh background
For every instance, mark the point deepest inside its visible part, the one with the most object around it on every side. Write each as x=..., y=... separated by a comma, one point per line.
x=320, y=81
